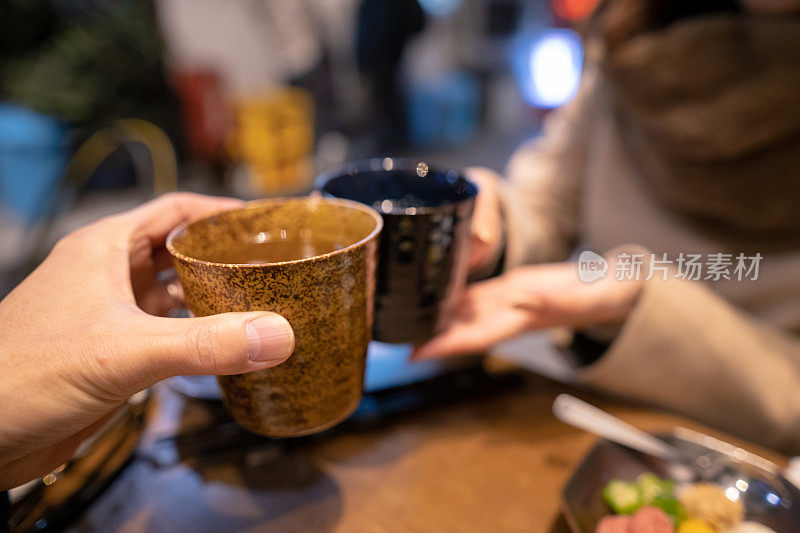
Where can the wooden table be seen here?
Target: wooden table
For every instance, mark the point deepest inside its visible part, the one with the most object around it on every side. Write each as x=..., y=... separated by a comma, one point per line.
x=490, y=464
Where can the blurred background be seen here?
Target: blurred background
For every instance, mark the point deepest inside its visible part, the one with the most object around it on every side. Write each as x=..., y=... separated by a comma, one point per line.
x=107, y=103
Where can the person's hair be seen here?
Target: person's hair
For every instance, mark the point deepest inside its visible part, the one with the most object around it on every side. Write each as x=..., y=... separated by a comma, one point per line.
x=620, y=20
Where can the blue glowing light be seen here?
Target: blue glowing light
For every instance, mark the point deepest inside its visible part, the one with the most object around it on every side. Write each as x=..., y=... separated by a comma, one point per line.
x=548, y=67
x=773, y=498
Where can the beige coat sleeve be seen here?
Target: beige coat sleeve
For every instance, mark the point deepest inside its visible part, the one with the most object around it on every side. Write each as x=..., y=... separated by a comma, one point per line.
x=543, y=187
x=687, y=349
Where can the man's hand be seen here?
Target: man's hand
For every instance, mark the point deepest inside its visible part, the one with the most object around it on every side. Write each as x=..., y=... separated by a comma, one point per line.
x=81, y=334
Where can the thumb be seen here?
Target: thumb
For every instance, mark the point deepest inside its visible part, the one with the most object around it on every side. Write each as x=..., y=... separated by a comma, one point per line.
x=228, y=343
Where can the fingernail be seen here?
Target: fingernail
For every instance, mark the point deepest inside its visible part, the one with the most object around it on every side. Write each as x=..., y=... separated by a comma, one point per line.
x=269, y=338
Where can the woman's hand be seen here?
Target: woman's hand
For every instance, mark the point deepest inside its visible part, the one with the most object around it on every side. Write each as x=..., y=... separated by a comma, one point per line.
x=79, y=335
x=487, y=220
x=530, y=298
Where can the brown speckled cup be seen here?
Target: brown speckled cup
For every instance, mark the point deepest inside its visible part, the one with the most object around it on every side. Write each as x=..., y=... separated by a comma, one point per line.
x=311, y=260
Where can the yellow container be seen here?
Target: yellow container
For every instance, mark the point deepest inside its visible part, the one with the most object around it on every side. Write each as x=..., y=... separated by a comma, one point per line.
x=274, y=138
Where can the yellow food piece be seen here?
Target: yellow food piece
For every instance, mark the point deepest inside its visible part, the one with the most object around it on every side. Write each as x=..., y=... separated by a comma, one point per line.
x=693, y=525
x=708, y=503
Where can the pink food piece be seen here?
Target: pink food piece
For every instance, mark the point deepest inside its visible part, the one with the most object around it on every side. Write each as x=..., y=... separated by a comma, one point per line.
x=613, y=524
x=651, y=520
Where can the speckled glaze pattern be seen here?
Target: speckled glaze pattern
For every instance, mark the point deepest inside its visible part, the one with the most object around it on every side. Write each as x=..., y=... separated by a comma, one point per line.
x=328, y=300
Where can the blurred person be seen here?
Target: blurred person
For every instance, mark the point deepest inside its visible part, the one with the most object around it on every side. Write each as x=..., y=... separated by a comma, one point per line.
x=86, y=330
x=384, y=28
x=254, y=46
x=684, y=138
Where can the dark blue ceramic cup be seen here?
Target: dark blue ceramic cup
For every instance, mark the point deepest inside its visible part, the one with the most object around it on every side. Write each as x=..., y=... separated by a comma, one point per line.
x=424, y=246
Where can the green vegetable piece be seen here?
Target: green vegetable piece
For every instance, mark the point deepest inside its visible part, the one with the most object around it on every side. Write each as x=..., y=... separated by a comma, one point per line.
x=623, y=497
x=672, y=507
x=650, y=487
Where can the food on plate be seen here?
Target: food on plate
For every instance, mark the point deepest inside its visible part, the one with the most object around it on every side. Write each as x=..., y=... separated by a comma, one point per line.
x=625, y=497
x=645, y=520
x=710, y=504
x=694, y=525
x=613, y=524
x=653, y=486
x=654, y=505
x=651, y=520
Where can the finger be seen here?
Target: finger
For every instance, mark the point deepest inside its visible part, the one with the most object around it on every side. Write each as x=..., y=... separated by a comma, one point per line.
x=228, y=343
x=157, y=218
x=448, y=343
x=476, y=337
x=137, y=232
x=483, y=176
x=570, y=305
x=486, y=225
x=466, y=338
x=480, y=252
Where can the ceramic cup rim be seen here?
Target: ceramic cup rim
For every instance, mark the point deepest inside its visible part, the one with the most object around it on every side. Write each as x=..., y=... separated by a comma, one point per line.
x=255, y=204
x=375, y=164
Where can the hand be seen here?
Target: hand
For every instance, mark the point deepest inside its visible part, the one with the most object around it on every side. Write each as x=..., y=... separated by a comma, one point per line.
x=79, y=335
x=530, y=298
x=487, y=220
